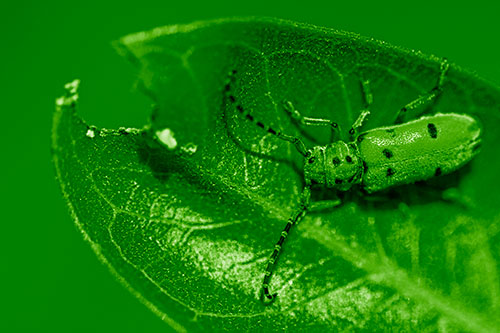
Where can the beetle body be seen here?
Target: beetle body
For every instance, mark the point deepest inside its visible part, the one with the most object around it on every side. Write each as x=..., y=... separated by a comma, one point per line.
x=395, y=155
x=375, y=160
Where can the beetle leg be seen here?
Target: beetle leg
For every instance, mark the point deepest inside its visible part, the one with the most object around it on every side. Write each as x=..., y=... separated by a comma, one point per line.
x=367, y=101
x=429, y=97
x=307, y=121
x=324, y=204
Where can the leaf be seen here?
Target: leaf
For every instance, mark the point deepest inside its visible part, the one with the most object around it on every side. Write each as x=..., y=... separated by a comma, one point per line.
x=188, y=229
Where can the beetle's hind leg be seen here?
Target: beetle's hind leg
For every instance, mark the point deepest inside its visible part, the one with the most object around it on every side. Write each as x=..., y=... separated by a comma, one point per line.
x=430, y=96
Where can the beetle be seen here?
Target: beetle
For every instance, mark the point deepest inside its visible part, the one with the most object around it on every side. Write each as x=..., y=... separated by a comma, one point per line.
x=376, y=159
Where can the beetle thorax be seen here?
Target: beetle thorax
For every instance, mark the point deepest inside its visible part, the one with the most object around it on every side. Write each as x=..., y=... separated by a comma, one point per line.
x=336, y=165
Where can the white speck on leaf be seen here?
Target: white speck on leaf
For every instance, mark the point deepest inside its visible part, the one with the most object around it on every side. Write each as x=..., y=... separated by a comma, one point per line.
x=190, y=148
x=90, y=133
x=166, y=136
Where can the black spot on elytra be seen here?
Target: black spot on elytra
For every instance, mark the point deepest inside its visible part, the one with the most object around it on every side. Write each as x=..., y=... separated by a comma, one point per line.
x=431, y=128
x=249, y=117
x=261, y=125
x=348, y=159
x=239, y=108
x=232, y=98
x=390, y=172
x=338, y=181
x=336, y=161
x=387, y=153
x=438, y=172
x=270, y=130
x=392, y=132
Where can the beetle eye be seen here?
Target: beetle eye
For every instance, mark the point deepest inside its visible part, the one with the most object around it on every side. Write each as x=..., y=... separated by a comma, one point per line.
x=312, y=159
x=348, y=159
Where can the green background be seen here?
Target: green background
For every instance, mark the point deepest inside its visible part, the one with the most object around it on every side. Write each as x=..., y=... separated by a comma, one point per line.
x=51, y=281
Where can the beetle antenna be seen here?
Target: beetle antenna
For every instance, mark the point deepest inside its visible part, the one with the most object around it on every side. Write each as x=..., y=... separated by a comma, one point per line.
x=266, y=297
x=299, y=145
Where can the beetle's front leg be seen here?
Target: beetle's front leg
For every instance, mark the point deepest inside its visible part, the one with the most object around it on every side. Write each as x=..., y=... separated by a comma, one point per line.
x=324, y=204
x=367, y=101
x=307, y=121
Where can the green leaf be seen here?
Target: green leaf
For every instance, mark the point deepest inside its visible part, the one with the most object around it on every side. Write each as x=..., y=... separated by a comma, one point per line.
x=188, y=228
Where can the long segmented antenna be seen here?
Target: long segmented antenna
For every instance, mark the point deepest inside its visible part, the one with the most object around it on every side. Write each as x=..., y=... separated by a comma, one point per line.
x=299, y=145
x=266, y=297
